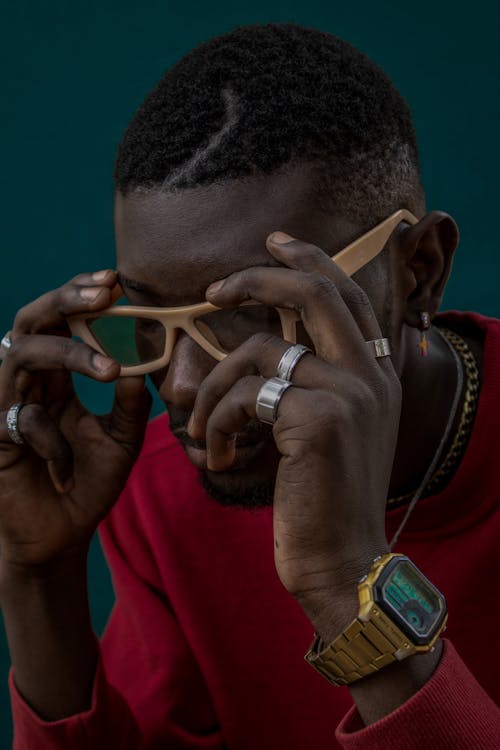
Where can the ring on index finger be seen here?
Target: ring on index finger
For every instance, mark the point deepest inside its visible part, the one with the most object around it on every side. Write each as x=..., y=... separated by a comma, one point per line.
x=268, y=399
x=12, y=424
x=289, y=361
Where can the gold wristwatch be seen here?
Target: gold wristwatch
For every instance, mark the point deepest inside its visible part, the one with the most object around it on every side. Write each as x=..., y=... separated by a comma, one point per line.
x=401, y=613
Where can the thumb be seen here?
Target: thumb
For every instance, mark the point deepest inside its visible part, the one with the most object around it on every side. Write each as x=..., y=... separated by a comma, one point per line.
x=129, y=415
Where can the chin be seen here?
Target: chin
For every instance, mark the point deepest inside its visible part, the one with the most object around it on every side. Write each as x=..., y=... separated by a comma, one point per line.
x=249, y=482
x=250, y=487
x=232, y=491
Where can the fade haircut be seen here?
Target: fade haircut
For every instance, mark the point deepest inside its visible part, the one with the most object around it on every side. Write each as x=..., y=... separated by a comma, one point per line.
x=262, y=99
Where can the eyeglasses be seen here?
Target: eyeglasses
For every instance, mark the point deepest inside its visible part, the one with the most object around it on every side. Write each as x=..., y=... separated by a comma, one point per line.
x=142, y=339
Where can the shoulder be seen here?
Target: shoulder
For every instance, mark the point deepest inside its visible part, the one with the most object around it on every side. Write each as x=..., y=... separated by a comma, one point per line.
x=481, y=333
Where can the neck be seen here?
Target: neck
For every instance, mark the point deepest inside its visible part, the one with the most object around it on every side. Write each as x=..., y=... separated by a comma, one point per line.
x=429, y=385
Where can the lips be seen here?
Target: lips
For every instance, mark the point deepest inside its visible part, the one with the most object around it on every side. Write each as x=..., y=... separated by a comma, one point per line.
x=244, y=453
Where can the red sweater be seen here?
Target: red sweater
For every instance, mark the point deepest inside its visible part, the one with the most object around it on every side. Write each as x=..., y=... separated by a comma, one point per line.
x=204, y=648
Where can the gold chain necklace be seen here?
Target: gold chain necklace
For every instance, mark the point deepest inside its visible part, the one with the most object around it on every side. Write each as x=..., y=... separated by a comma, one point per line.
x=457, y=448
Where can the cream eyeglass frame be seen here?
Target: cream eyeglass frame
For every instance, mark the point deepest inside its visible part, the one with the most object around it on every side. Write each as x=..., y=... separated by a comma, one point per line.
x=353, y=257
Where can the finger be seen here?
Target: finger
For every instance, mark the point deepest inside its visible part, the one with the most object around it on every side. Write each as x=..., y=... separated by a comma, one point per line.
x=330, y=324
x=29, y=354
x=229, y=417
x=129, y=415
x=43, y=436
x=302, y=256
x=299, y=255
x=86, y=292
x=260, y=355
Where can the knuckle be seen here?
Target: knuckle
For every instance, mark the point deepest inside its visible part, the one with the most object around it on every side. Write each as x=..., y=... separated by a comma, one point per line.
x=304, y=255
x=208, y=392
x=79, y=279
x=319, y=286
x=365, y=399
x=245, y=384
x=31, y=418
x=356, y=298
x=22, y=318
x=16, y=348
x=262, y=340
x=66, y=348
x=64, y=297
x=235, y=396
x=311, y=256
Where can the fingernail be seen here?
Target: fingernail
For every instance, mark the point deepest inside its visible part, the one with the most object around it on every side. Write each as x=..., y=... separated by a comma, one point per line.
x=90, y=293
x=100, y=275
x=280, y=238
x=190, y=424
x=215, y=287
x=102, y=363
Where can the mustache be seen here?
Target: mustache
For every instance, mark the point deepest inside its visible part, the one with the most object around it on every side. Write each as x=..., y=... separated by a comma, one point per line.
x=253, y=432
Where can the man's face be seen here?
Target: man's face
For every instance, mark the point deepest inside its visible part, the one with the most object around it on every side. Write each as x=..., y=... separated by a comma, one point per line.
x=174, y=245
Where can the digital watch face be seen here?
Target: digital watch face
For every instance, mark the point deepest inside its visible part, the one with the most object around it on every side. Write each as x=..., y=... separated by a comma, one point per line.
x=411, y=601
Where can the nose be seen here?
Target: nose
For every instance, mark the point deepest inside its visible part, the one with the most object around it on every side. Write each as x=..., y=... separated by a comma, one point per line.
x=188, y=367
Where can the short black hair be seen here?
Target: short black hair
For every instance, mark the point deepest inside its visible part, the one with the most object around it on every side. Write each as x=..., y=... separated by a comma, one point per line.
x=262, y=98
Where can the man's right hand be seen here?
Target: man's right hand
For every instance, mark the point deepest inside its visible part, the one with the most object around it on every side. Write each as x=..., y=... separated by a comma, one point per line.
x=56, y=487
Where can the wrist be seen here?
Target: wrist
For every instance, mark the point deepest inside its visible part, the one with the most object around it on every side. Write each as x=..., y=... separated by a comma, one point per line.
x=67, y=569
x=52, y=646
x=332, y=605
x=401, y=616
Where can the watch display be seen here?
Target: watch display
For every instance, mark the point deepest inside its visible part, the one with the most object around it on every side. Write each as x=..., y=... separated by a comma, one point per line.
x=411, y=600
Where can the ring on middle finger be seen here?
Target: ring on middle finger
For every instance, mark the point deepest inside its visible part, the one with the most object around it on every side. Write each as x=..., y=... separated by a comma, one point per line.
x=289, y=361
x=268, y=399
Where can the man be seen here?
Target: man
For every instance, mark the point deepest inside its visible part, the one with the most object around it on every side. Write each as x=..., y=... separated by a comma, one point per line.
x=258, y=157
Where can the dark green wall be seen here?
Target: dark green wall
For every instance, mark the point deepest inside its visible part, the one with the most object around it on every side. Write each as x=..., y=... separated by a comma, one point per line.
x=73, y=73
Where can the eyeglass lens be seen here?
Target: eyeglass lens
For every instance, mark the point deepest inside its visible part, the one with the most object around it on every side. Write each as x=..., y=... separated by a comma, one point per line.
x=132, y=340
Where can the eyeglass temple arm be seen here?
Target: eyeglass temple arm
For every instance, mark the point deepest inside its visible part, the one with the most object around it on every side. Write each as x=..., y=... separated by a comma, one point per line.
x=366, y=248
x=353, y=257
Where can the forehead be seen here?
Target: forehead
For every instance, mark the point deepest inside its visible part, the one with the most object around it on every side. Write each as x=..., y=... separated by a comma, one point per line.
x=179, y=242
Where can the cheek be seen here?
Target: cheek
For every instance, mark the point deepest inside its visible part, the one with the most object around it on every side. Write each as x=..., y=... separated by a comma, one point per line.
x=178, y=383
x=375, y=280
x=158, y=377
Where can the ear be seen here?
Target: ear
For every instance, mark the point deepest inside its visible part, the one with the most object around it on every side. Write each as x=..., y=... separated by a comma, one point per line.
x=424, y=259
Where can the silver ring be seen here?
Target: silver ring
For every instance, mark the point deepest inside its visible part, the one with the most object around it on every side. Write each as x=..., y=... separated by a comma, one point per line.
x=6, y=341
x=289, y=361
x=381, y=347
x=268, y=399
x=12, y=424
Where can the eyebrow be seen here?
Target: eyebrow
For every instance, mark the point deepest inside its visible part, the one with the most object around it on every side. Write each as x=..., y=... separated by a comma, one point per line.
x=136, y=285
x=155, y=296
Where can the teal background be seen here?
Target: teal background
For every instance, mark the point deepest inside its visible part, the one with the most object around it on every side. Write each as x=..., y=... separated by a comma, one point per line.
x=74, y=72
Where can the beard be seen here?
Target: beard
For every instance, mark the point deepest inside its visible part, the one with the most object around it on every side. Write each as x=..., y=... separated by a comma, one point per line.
x=248, y=496
x=249, y=483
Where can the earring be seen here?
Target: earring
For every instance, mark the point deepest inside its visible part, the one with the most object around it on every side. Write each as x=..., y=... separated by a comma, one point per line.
x=425, y=324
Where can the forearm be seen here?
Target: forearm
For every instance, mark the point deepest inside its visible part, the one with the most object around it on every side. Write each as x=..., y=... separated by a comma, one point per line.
x=52, y=646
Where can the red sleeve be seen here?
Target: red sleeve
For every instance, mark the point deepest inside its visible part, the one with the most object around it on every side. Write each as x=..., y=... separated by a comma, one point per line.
x=450, y=711
x=148, y=691
x=107, y=724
